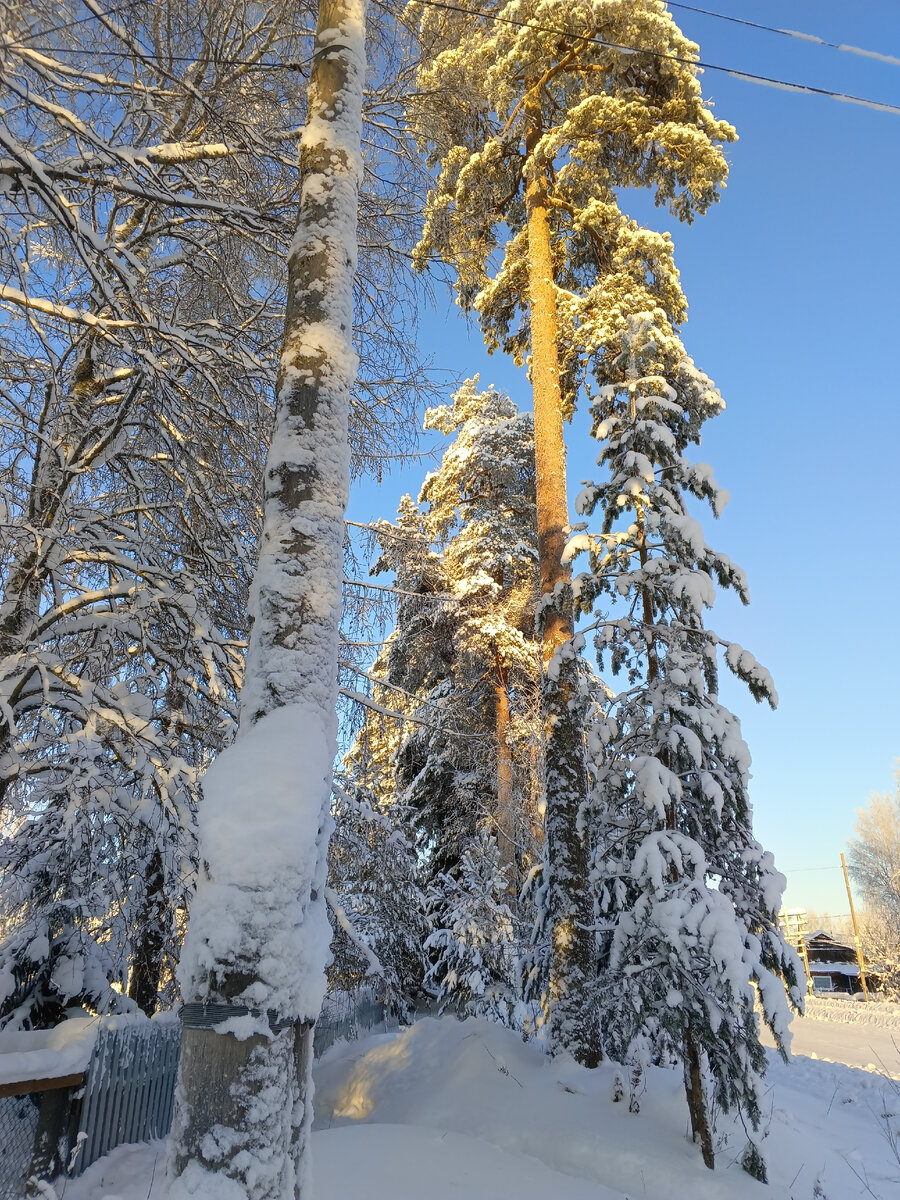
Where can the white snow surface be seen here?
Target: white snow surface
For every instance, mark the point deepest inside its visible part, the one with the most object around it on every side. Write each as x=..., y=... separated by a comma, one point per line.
x=847, y=1010
x=449, y=1110
x=261, y=832
x=47, y=1053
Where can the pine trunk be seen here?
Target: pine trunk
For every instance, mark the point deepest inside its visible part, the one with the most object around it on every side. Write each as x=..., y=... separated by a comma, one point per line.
x=244, y=1107
x=506, y=815
x=573, y=1014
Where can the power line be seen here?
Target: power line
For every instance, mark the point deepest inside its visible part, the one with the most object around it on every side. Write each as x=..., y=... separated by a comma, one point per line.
x=791, y=33
x=281, y=65
x=746, y=76
x=797, y=870
x=118, y=12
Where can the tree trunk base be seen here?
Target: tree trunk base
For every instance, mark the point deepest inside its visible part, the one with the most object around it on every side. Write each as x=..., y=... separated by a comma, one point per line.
x=696, y=1098
x=243, y=1114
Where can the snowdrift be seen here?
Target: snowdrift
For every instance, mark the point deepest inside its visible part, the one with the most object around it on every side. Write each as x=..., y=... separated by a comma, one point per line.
x=449, y=1110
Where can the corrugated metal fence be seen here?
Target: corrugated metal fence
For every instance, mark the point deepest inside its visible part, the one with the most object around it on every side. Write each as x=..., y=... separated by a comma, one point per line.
x=129, y=1090
x=130, y=1085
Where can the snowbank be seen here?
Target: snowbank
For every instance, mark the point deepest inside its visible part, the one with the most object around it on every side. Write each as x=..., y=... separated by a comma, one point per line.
x=48, y=1053
x=849, y=1011
x=454, y=1110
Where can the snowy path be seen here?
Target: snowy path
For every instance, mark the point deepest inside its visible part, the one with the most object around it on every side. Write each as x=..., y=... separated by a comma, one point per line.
x=866, y=1046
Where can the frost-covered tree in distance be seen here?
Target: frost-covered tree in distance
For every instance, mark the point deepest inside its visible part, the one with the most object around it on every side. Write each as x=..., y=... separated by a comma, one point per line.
x=481, y=511
x=536, y=115
x=258, y=933
x=688, y=897
x=874, y=854
x=462, y=663
x=377, y=907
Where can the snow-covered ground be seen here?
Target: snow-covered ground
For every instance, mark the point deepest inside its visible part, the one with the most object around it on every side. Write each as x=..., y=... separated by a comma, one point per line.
x=449, y=1110
x=872, y=1047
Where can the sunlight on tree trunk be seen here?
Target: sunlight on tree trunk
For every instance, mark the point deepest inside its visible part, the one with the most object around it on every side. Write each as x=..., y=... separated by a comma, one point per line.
x=573, y=1019
x=506, y=813
x=244, y=1108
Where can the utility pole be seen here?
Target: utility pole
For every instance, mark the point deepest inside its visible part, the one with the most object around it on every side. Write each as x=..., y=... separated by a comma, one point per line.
x=859, y=953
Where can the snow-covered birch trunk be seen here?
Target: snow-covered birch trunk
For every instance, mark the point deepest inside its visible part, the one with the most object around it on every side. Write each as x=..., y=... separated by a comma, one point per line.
x=257, y=944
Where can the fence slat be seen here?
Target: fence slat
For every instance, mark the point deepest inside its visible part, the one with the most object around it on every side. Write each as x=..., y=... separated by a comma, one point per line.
x=93, y=1098
x=130, y=1086
x=167, y=1098
x=113, y=1096
x=156, y=1078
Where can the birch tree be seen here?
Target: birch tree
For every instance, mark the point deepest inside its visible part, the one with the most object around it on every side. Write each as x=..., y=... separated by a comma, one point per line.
x=148, y=193
x=535, y=116
x=874, y=853
x=258, y=934
x=126, y=548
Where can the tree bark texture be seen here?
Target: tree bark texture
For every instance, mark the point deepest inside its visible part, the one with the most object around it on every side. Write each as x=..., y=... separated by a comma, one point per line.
x=696, y=1098
x=574, y=1023
x=506, y=813
x=259, y=1089
x=297, y=590
x=146, y=963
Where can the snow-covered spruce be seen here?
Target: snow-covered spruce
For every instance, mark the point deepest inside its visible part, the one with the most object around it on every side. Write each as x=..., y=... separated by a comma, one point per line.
x=462, y=774
x=473, y=949
x=258, y=931
x=376, y=906
x=535, y=121
x=687, y=897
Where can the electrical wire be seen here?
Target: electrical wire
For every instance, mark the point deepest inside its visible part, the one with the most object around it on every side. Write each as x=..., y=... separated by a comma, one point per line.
x=112, y=12
x=745, y=76
x=797, y=870
x=791, y=33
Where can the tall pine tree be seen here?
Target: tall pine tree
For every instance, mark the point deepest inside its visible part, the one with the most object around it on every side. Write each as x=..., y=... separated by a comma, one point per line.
x=536, y=115
x=462, y=663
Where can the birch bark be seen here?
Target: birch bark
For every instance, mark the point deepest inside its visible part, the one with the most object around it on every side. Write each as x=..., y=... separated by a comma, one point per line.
x=245, y=1102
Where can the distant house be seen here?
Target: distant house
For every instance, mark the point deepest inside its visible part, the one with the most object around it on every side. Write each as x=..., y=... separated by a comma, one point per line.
x=832, y=964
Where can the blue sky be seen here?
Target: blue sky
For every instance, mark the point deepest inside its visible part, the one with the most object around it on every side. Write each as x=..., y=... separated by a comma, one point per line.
x=793, y=282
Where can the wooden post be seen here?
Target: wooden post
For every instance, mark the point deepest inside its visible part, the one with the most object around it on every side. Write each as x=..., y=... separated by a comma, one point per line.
x=57, y=1123
x=859, y=952
x=805, y=956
